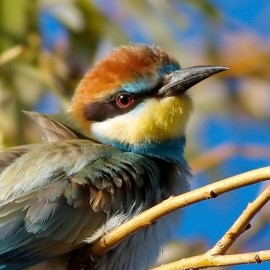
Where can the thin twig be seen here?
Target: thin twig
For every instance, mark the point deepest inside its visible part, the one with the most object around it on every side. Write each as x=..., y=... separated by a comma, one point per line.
x=206, y=261
x=240, y=224
x=215, y=256
x=149, y=216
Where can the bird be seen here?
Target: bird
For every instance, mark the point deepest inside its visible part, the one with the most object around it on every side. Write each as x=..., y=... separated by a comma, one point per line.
x=117, y=151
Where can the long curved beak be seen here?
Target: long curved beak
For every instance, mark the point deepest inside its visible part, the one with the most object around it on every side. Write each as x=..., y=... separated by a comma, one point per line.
x=181, y=80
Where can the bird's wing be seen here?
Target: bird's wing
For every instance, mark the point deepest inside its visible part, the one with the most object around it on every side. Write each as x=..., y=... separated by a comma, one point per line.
x=51, y=130
x=58, y=127
x=7, y=156
x=54, y=195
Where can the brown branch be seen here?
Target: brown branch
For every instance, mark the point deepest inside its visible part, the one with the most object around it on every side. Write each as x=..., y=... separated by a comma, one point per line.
x=257, y=225
x=215, y=256
x=149, y=216
x=241, y=223
x=206, y=261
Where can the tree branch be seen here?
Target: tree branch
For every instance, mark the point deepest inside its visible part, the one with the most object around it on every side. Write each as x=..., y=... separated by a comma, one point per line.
x=208, y=261
x=149, y=216
x=240, y=224
x=215, y=256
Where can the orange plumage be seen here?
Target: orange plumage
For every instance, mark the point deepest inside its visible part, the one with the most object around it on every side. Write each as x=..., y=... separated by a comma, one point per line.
x=124, y=64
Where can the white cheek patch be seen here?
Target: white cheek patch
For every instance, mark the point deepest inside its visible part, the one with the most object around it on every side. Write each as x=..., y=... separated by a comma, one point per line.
x=118, y=128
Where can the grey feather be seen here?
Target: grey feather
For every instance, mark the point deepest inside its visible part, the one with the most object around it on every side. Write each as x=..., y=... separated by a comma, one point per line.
x=55, y=208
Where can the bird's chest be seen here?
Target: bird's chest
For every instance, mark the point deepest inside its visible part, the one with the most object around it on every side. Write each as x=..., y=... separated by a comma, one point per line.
x=140, y=251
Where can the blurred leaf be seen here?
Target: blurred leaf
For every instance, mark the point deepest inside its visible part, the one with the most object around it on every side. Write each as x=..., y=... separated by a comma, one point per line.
x=16, y=19
x=68, y=14
x=205, y=6
x=10, y=54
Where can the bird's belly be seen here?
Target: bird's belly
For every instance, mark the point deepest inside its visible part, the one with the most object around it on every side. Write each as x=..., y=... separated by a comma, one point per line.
x=140, y=251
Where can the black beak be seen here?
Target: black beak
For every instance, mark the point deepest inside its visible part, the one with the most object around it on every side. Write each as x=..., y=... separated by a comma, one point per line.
x=181, y=80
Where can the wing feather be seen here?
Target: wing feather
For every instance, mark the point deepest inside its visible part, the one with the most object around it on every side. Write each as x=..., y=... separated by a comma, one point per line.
x=51, y=130
x=58, y=194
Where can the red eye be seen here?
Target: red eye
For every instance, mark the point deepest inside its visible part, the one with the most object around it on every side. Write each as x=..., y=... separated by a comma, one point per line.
x=124, y=100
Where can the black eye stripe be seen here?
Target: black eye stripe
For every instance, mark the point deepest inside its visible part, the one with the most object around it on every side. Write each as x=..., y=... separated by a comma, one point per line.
x=100, y=111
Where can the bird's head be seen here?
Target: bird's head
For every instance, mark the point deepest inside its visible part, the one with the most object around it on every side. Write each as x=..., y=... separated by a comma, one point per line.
x=135, y=99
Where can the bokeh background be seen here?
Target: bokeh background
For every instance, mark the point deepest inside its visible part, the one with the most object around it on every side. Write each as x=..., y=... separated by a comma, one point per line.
x=47, y=45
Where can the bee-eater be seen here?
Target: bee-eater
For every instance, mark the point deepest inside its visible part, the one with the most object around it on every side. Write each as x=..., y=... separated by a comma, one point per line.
x=116, y=152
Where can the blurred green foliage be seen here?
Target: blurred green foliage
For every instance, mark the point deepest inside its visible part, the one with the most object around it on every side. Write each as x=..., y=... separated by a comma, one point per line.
x=27, y=69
